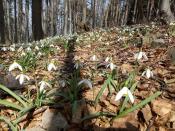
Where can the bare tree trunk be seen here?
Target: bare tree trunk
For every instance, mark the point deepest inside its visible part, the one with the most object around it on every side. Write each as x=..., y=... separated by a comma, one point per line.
x=151, y=9
x=2, y=24
x=65, y=16
x=70, y=17
x=106, y=15
x=20, y=20
x=94, y=13
x=27, y=21
x=165, y=6
x=16, y=27
x=84, y=11
x=36, y=19
x=135, y=10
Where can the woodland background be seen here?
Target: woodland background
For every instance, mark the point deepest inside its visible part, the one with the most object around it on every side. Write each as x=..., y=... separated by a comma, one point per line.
x=28, y=20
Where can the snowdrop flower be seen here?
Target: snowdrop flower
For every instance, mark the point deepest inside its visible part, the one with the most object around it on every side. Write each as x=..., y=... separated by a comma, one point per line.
x=172, y=23
x=14, y=66
x=139, y=56
x=23, y=53
x=22, y=77
x=4, y=48
x=62, y=83
x=87, y=82
x=107, y=59
x=52, y=45
x=111, y=66
x=148, y=73
x=12, y=48
x=124, y=91
x=39, y=54
x=51, y=66
x=28, y=49
x=36, y=48
x=43, y=85
x=93, y=58
x=76, y=66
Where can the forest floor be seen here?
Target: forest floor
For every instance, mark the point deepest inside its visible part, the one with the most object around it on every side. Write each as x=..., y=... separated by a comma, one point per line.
x=91, y=69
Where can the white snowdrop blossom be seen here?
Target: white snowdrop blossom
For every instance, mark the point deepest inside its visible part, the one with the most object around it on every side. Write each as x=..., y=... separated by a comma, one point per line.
x=14, y=66
x=76, y=65
x=36, y=48
x=28, y=49
x=123, y=92
x=4, y=49
x=172, y=23
x=12, y=48
x=107, y=59
x=93, y=58
x=148, y=73
x=43, y=85
x=87, y=82
x=112, y=66
x=23, y=53
x=39, y=54
x=62, y=83
x=51, y=66
x=22, y=77
x=140, y=55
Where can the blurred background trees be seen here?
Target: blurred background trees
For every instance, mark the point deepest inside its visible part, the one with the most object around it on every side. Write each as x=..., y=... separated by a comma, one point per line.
x=28, y=20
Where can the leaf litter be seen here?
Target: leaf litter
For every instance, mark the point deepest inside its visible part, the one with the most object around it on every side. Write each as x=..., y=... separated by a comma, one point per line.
x=91, y=50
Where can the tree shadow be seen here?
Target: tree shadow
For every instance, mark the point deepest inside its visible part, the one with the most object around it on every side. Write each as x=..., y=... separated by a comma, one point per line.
x=68, y=69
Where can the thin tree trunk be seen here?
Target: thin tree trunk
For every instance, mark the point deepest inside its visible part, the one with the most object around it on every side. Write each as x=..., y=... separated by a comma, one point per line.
x=36, y=19
x=2, y=24
x=16, y=27
x=20, y=20
x=27, y=21
x=84, y=11
x=94, y=14
x=65, y=16
x=70, y=17
x=135, y=10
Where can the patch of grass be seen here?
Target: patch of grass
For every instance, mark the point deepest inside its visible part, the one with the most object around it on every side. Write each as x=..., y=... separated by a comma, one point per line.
x=28, y=61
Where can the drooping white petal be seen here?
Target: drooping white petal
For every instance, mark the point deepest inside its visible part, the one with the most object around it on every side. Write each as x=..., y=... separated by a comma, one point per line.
x=76, y=66
x=148, y=73
x=131, y=97
x=12, y=49
x=140, y=55
x=124, y=91
x=107, y=59
x=22, y=77
x=143, y=73
x=43, y=85
x=93, y=58
x=51, y=66
x=112, y=66
x=28, y=49
x=62, y=83
x=14, y=66
x=87, y=82
x=36, y=48
x=4, y=49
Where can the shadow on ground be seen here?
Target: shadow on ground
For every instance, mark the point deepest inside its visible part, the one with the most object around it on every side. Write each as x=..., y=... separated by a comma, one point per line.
x=68, y=69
